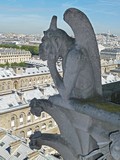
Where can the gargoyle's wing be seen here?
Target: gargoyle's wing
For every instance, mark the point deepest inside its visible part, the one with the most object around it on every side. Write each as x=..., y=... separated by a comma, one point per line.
x=85, y=38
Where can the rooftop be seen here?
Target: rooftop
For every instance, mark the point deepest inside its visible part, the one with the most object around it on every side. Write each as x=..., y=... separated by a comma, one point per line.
x=13, y=148
x=42, y=69
x=111, y=51
x=4, y=51
x=22, y=99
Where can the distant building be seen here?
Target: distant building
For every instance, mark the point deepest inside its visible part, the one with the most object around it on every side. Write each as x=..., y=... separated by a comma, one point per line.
x=108, y=65
x=12, y=55
x=110, y=53
x=17, y=88
x=22, y=79
x=15, y=113
x=110, y=58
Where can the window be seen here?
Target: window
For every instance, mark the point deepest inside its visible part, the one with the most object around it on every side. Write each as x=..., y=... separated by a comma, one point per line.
x=38, y=82
x=34, y=81
x=12, y=121
x=30, y=83
x=10, y=105
x=29, y=117
x=22, y=134
x=19, y=103
x=2, y=144
x=29, y=132
x=43, y=127
x=43, y=115
x=9, y=85
x=21, y=119
x=3, y=86
x=22, y=83
x=50, y=124
x=36, y=128
x=26, y=83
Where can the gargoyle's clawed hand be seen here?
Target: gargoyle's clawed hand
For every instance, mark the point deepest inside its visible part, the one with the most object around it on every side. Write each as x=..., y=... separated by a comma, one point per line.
x=34, y=140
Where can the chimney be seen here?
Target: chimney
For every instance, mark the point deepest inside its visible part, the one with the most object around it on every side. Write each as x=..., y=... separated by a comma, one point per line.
x=2, y=134
x=33, y=155
x=14, y=146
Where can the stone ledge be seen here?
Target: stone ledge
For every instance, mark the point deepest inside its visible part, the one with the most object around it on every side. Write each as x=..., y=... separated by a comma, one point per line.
x=103, y=111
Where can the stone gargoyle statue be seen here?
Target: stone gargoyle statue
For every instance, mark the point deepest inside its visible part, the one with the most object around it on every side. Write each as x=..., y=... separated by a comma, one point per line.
x=80, y=56
x=87, y=131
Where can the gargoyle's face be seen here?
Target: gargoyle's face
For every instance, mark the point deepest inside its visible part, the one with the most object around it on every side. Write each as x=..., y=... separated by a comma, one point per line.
x=51, y=44
x=45, y=46
x=36, y=111
x=35, y=107
x=43, y=53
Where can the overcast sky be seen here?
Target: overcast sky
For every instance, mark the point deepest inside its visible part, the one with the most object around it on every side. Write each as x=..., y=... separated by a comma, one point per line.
x=33, y=16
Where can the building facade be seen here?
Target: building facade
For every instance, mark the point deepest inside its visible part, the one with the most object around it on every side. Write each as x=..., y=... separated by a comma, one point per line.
x=20, y=122
x=110, y=53
x=11, y=55
x=23, y=79
x=17, y=88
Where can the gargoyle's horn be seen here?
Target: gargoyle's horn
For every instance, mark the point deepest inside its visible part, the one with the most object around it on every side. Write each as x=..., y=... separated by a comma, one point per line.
x=53, y=24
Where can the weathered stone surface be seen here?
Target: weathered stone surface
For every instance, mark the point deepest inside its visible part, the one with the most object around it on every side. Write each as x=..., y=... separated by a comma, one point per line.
x=86, y=131
x=89, y=126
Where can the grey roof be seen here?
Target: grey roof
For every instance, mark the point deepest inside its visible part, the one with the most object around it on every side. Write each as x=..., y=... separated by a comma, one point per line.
x=42, y=69
x=110, y=78
x=49, y=91
x=20, y=152
x=34, y=70
x=5, y=73
x=13, y=101
x=30, y=94
x=111, y=51
x=10, y=51
x=9, y=100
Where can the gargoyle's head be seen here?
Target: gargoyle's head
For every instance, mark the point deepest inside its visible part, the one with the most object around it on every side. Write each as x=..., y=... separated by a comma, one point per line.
x=36, y=107
x=53, y=41
x=35, y=140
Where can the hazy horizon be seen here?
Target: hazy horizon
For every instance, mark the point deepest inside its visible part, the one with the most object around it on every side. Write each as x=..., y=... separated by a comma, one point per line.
x=33, y=17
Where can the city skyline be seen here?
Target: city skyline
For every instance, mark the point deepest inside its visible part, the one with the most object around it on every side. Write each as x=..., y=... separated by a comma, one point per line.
x=28, y=16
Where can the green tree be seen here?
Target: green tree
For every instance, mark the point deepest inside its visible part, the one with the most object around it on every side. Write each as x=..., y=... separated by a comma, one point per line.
x=9, y=46
x=33, y=49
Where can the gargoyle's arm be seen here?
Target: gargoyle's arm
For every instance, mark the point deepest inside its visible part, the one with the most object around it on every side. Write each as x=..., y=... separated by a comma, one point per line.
x=66, y=84
x=58, y=80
